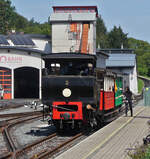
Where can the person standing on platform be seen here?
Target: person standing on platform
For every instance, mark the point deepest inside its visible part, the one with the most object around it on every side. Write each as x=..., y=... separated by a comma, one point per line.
x=128, y=96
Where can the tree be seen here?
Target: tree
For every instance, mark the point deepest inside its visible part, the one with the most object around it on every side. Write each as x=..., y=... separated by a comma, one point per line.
x=117, y=38
x=6, y=14
x=141, y=65
x=20, y=22
x=101, y=33
x=142, y=50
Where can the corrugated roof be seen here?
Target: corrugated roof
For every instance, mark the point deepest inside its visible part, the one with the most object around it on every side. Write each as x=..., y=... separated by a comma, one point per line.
x=117, y=51
x=121, y=60
x=56, y=17
x=23, y=49
x=67, y=55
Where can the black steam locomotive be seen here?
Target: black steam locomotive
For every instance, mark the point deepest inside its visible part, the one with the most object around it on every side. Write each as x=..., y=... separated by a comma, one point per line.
x=77, y=92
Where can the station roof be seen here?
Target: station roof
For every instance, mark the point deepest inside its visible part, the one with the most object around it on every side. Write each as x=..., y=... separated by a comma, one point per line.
x=23, y=49
x=117, y=51
x=69, y=56
x=21, y=40
x=102, y=53
x=121, y=60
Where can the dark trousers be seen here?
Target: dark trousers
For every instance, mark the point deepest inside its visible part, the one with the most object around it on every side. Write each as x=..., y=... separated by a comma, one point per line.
x=128, y=103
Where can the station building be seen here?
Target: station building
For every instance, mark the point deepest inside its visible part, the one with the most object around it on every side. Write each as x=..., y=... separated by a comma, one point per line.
x=21, y=65
x=74, y=29
x=123, y=61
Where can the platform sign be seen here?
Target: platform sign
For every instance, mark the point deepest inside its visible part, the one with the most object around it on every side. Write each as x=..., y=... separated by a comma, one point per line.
x=147, y=96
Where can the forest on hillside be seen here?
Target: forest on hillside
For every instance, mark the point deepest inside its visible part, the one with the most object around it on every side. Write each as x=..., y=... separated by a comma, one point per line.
x=115, y=38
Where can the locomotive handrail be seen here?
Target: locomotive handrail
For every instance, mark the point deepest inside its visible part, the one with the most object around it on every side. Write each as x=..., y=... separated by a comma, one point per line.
x=54, y=106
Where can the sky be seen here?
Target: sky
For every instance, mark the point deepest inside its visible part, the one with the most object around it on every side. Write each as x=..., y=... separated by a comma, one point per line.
x=132, y=15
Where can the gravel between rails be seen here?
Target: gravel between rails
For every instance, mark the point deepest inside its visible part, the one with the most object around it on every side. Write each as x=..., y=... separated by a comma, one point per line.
x=3, y=147
x=49, y=144
x=20, y=110
x=78, y=140
x=32, y=131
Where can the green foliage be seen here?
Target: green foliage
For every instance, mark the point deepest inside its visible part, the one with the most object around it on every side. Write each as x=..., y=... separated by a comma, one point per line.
x=142, y=152
x=113, y=39
x=101, y=34
x=142, y=50
x=147, y=154
x=38, y=29
x=6, y=16
x=117, y=38
x=140, y=85
x=20, y=23
x=139, y=153
x=9, y=20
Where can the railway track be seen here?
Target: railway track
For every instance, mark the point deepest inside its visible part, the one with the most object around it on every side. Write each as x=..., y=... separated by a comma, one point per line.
x=50, y=145
x=10, y=118
x=32, y=150
x=6, y=131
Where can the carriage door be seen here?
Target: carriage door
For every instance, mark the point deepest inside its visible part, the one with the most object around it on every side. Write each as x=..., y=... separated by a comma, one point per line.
x=146, y=93
x=5, y=82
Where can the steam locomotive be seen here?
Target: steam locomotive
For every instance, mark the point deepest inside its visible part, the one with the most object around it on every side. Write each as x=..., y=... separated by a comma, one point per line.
x=79, y=93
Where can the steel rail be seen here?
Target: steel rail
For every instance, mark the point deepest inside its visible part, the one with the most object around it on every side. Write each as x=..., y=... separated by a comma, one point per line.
x=9, y=139
x=45, y=153
x=30, y=146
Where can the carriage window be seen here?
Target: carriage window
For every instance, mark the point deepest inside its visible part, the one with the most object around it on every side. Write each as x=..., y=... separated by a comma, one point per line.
x=108, y=84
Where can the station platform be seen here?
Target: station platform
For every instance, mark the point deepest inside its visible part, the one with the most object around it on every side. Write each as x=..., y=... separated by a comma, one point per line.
x=115, y=140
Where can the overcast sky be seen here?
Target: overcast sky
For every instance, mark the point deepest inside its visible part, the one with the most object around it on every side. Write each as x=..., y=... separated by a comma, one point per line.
x=132, y=15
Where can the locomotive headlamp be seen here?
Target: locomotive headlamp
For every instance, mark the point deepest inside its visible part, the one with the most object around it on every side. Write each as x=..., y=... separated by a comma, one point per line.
x=90, y=65
x=66, y=92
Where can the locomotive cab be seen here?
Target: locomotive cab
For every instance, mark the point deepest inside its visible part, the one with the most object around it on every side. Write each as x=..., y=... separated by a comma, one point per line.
x=68, y=88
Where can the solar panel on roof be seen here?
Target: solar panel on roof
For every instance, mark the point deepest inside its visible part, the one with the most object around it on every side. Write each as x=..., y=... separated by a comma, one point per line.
x=25, y=40
x=15, y=40
x=3, y=40
x=28, y=40
x=22, y=40
x=19, y=38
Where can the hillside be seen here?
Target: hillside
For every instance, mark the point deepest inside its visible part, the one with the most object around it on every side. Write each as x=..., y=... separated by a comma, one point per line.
x=11, y=20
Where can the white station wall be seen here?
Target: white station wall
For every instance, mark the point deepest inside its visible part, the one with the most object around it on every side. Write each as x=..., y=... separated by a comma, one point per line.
x=61, y=41
x=17, y=59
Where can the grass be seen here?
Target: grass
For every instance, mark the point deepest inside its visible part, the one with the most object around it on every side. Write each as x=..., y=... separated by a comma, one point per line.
x=142, y=152
x=147, y=77
x=140, y=85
